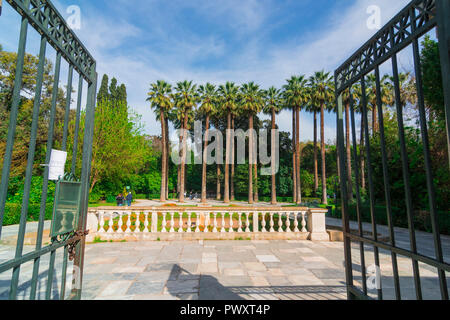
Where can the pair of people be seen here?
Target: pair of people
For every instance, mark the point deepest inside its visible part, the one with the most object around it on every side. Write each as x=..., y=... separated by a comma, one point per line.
x=121, y=200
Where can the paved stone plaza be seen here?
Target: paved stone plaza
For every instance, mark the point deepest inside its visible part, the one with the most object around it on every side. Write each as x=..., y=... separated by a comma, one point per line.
x=230, y=270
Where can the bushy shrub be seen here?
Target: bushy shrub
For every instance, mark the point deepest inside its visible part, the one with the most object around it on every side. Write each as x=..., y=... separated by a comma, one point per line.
x=13, y=212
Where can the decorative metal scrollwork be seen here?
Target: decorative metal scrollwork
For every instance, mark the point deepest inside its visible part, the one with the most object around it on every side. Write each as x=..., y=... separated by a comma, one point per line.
x=414, y=20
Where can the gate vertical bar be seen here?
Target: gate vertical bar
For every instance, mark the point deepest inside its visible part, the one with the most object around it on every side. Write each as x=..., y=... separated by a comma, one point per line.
x=85, y=179
x=428, y=167
x=387, y=188
x=343, y=182
x=13, y=116
x=370, y=177
x=68, y=102
x=406, y=177
x=358, y=192
x=443, y=17
x=77, y=126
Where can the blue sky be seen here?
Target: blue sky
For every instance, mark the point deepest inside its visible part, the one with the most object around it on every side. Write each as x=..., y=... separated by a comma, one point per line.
x=265, y=41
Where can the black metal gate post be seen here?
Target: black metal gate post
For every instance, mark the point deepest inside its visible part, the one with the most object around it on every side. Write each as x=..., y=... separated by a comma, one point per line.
x=443, y=7
x=47, y=21
x=405, y=29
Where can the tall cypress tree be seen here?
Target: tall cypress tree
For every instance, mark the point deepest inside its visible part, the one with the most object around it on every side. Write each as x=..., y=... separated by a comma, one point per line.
x=113, y=90
x=103, y=93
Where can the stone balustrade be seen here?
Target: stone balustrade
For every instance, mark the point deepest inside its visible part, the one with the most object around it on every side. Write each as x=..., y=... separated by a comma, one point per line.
x=183, y=223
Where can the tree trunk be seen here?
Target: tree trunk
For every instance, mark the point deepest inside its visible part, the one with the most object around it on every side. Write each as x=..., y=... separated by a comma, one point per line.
x=316, y=162
x=374, y=120
x=273, y=151
x=226, y=197
x=164, y=158
x=363, y=163
x=180, y=142
x=233, y=198
x=324, y=175
x=219, y=187
x=250, y=161
x=167, y=158
x=294, y=159
x=297, y=150
x=349, y=152
x=205, y=158
x=255, y=185
x=183, y=160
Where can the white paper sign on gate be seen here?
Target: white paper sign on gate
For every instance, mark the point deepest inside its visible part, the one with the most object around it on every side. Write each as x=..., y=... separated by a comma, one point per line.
x=57, y=164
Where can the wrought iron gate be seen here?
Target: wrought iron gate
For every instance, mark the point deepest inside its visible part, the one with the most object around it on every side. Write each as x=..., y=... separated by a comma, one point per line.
x=53, y=30
x=415, y=20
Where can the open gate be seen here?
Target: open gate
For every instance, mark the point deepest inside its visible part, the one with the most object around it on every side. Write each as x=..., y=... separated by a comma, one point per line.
x=405, y=29
x=53, y=30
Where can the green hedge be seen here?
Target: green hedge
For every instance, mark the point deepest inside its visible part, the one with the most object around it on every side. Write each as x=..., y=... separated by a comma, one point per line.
x=421, y=221
x=13, y=210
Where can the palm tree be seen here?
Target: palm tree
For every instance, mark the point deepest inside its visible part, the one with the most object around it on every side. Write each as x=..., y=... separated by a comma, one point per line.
x=251, y=103
x=407, y=87
x=314, y=108
x=358, y=108
x=273, y=107
x=349, y=96
x=386, y=97
x=208, y=96
x=159, y=97
x=186, y=98
x=228, y=98
x=217, y=120
x=322, y=90
x=296, y=96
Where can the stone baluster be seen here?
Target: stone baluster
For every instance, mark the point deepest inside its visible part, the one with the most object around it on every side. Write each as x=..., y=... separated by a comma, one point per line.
x=304, y=222
x=180, y=223
x=102, y=222
x=288, y=222
x=280, y=222
x=164, y=222
x=263, y=223
x=138, y=223
x=247, y=222
x=128, y=223
x=189, y=223
x=146, y=223
x=111, y=223
x=215, y=222
x=240, y=222
x=120, y=224
x=222, y=229
x=272, y=223
x=207, y=214
x=296, y=222
x=230, y=230
x=172, y=222
x=197, y=229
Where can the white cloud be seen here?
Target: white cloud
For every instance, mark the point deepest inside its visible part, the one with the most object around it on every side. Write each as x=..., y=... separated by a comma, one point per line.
x=258, y=60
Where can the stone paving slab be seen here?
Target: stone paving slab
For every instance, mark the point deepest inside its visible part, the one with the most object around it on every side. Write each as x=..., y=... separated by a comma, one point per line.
x=223, y=270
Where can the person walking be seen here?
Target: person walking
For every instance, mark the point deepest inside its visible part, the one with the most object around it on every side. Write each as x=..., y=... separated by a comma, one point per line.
x=129, y=199
x=119, y=200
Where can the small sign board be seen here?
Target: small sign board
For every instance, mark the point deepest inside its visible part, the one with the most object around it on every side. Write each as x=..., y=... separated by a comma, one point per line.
x=57, y=164
x=66, y=209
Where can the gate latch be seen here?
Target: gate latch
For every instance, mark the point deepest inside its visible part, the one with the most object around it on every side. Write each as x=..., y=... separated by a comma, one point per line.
x=76, y=238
